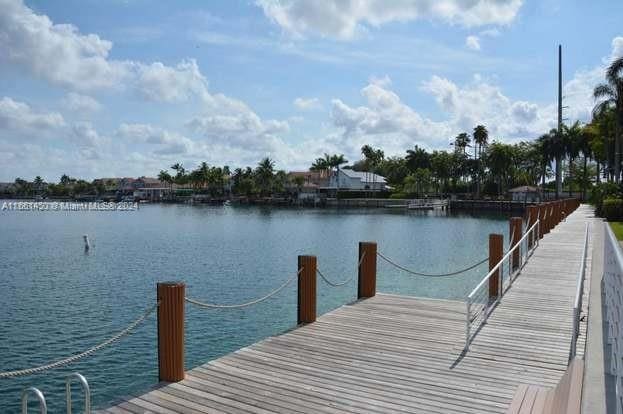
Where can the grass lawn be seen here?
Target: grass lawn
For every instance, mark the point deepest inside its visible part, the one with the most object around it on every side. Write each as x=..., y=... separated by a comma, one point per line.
x=617, y=228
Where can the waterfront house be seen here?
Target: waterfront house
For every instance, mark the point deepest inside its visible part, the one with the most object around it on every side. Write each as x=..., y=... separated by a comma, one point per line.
x=311, y=183
x=110, y=185
x=526, y=194
x=148, y=188
x=350, y=180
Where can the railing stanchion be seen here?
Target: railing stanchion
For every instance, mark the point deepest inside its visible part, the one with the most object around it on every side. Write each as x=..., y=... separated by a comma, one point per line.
x=171, y=331
x=542, y=212
x=515, y=230
x=496, y=252
x=366, y=287
x=307, y=289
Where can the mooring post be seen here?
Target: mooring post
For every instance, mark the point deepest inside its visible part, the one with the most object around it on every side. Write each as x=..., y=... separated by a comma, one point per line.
x=170, y=296
x=533, y=212
x=548, y=218
x=542, y=219
x=496, y=252
x=307, y=289
x=516, y=232
x=366, y=287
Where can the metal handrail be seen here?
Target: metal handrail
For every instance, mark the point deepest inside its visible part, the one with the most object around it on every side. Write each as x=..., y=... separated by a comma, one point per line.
x=534, y=229
x=506, y=256
x=43, y=407
x=577, y=303
x=85, y=387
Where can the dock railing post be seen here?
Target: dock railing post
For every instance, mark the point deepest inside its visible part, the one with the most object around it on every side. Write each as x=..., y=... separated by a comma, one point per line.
x=496, y=252
x=516, y=232
x=366, y=287
x=533, y=212
x=541, y=220
x=548, y=218
x=170, y=297
x=306, y=289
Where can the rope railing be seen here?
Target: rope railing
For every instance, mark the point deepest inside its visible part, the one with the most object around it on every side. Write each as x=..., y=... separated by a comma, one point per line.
x=88, y=352
x=344, y=282
x=393, y=263
x=243, y=305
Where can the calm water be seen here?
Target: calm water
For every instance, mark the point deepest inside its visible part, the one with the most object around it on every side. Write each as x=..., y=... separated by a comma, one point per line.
x=56, y=300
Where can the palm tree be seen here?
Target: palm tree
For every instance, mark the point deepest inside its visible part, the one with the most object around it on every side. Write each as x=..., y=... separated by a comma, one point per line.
x=38, y=183
x=612, y=93
x=461, y=142
x=180, y=173
x=204, y=174
x=335, y=162
x=481, y=136
x=373, y=158
x=265, y=175
x=571, y=137
x=165, y=177
x=417, y=158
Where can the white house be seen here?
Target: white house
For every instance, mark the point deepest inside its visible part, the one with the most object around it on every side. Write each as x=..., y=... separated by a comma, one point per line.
x=357, y=181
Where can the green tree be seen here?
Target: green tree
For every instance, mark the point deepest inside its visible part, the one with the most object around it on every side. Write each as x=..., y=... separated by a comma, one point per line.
x=611, y=94
x=417, y=158
x=264, y=174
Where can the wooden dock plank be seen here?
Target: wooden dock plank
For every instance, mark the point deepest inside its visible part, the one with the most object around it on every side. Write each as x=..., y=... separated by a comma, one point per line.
x=400, y=354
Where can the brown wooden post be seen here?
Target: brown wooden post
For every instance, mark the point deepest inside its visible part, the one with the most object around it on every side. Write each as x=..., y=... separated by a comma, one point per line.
x=366, y=288
x=170, y=296
x=533, y=212
x=307, y=289
x=516, y=232
x=542, y=218
x=496, y=252
x=548, y=218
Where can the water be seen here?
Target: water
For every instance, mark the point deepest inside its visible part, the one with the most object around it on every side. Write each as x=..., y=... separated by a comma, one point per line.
x=56, y=300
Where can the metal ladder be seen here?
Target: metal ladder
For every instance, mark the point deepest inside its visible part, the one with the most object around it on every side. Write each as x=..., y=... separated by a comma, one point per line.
x=43, y=408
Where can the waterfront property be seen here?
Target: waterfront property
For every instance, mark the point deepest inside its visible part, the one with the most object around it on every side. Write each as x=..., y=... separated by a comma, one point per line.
x=526, y=194
x=395, y=353
x=350, y=180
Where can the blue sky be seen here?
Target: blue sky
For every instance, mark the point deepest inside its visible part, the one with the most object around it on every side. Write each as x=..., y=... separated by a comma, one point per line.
x=125, y=88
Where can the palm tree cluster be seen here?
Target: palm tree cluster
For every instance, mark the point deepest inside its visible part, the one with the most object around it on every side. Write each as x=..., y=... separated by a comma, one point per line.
x=608, y=119
x=264, y=180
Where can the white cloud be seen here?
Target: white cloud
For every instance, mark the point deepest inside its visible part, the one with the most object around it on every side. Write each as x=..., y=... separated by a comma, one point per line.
x=383, y=82
x=494, y=32
x=63, y=56
x=617, y=47
x=385, y=121
x=56, y=52
x=472, y=42
x=306, y=104
x=158, y=82
x=20, y=117
x=167, y=142
x=343, y=19
x=76, y=102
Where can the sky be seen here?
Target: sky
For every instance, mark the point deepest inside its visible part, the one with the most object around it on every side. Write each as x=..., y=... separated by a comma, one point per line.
x=115, y=88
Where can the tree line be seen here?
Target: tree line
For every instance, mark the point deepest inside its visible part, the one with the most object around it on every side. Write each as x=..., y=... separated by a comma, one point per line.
x=585, y=155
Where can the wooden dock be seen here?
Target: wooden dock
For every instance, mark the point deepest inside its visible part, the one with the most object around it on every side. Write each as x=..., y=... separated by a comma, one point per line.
x=399, y=354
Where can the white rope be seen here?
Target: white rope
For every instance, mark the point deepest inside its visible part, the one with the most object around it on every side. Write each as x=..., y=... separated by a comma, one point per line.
x=243, y=305
x=388, y=260
x=335, y=284
x=73, y=358
x=338, y=284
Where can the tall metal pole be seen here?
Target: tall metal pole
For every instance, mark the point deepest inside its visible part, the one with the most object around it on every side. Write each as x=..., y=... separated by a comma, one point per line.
x=559, y=138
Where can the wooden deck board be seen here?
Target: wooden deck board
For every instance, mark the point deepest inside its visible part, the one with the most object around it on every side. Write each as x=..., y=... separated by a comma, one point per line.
x=399, y=354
